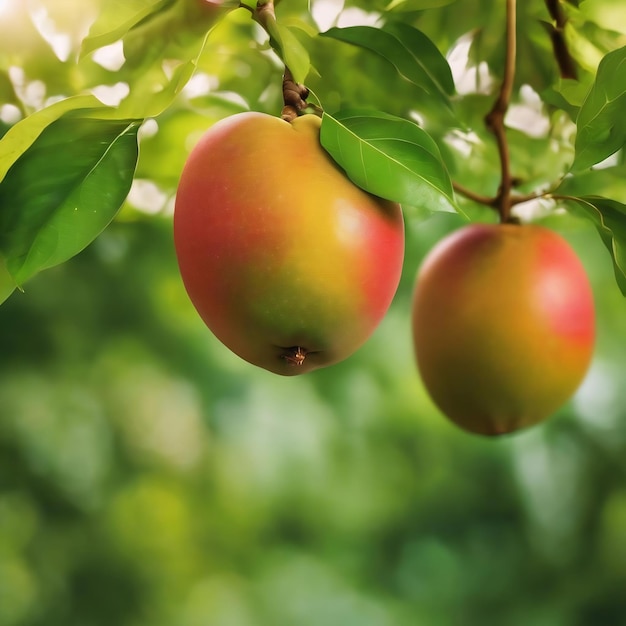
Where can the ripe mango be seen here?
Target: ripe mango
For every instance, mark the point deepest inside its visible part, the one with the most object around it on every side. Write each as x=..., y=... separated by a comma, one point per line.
x=289, y=263
x=503, y=325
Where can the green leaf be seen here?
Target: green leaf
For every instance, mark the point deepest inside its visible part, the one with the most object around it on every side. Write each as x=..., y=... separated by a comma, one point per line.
x=609, y=217
x=608, y=15
x=162, y=42
x=117, y=18
x=585, y=49
x=21, y=136
x=175, y=125
x=416, y=5
x=601, y=121
x=63, y=191
x=609, y=182
x=178, y=34
x=567, y=94
x=287, y=46
x=7, y=89
x=141, y=103
x=403, y=58
x=425, y=53
x=389, y=157
x=7, y=284
x=293, y=53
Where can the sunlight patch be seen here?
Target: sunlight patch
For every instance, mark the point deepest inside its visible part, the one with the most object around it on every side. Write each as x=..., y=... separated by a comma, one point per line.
x=147, y=197
x=111, y=95
x=110, y=57
x=61, y=43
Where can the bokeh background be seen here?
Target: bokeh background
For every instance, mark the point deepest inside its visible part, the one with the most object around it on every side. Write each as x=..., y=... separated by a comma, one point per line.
x=148, y=477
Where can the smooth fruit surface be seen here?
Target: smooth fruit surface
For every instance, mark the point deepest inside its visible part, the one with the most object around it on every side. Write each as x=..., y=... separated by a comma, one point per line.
x=289, y=263
x=503, y=325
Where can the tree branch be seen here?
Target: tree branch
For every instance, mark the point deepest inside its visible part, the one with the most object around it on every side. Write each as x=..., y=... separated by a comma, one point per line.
x=492, y=201
x=471, y=195
x=495, y=117
x=294, y=94
x=567, y=65
x=503, y=201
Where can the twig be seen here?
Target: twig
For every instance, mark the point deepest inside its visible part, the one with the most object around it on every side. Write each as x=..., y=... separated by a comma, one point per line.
x=471, y=195
x=495, y=117
x=504, y=200
x=294, y=94
x=567, y=65
x=492, y=201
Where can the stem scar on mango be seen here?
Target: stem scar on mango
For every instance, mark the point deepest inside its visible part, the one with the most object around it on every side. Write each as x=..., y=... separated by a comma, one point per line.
x=295, y=355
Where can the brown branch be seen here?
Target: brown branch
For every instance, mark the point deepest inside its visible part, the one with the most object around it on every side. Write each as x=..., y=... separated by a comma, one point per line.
x=565, y=61
x=471, y=195
x=495, y=118
x=535, y=195
x=294, y=94
x=492, y=201
x=503, y=201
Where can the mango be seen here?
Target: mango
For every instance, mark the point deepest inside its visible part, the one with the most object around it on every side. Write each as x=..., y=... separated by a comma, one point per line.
x=289, y=263
x=503, y=325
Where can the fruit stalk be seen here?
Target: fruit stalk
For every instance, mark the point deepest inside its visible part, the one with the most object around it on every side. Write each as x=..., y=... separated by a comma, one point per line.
x=505, y=199
x=294, y=97
x=495, y=117
x=294, y=94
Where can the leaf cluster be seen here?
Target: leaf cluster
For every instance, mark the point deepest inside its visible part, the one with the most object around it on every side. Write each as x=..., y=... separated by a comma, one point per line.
x=405, y=87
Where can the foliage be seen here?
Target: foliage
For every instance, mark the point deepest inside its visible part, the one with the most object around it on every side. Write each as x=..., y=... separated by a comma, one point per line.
x=147, y=476
x=154, y=48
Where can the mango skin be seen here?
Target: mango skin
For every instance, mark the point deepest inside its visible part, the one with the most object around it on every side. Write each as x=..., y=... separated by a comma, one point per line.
x=503, y=325
x=278, y=249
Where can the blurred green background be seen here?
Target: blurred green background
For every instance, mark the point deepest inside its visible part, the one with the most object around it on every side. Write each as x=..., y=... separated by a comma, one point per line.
x=150, y=478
